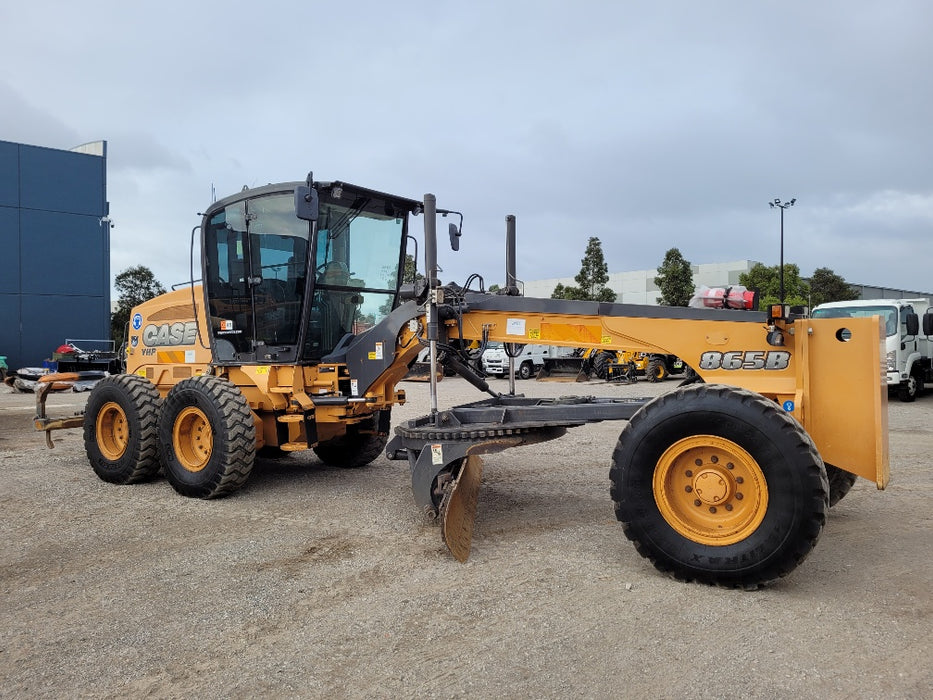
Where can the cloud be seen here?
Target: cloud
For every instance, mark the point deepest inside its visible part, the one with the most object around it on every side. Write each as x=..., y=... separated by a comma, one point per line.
x=650, y=127
x=22, y=122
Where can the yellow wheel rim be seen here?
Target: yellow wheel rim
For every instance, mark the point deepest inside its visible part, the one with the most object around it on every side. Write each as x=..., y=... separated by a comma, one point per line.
x=710, y=490
x=193, y=439
x=113, y=432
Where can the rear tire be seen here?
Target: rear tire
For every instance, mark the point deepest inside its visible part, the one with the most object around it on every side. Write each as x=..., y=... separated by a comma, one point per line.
x=719, y=485
x=525, y=370
x=207, y=437
x=121, y=428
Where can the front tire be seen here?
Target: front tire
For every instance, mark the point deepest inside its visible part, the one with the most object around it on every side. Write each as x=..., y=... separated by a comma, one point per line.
x=719, y=485
x=121, y=427
x=207, y=437
x=525, y=370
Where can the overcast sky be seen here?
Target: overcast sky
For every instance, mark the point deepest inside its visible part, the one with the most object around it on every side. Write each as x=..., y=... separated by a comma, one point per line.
x=649, y=125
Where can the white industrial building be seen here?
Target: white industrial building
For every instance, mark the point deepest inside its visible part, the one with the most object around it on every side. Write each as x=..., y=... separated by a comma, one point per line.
x=638, y=287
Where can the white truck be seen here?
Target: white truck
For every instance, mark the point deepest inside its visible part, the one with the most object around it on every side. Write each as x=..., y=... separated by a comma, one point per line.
x=908, y=341
x=528, y=361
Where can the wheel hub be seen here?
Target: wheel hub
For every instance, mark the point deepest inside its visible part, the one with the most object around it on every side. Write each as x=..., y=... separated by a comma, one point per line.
x=193, y=439
x=710, y=490
x=112, y=431
x=713, y=486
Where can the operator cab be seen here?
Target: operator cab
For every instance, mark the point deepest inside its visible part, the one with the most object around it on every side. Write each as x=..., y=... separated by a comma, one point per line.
x=284, y=289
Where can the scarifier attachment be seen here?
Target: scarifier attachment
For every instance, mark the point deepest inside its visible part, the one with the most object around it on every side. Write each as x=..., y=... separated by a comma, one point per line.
x=458, y=509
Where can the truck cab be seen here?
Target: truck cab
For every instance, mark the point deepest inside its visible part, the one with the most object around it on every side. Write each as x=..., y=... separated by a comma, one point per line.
x=528, y=360
x=908, y=348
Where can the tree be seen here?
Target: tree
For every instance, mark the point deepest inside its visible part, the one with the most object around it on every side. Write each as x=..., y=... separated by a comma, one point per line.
x=826, y=285
x=675, y=280
x=592, y=278
x=767, y=281
x=410, y=272
x=562, y=291
x=410, y=275
x=134, y=286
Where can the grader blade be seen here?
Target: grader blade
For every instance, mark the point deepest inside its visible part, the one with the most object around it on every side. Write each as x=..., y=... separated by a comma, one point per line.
x=459, y=509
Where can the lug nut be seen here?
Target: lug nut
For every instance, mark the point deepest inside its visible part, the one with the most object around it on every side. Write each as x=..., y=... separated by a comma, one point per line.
x=739, y=480
x=730, y=465
x=739, y=497
x=688, y=489
x=688, y=473
x=714, y=459
x=712, y=509
x=698, y=462
x=728, y=506
x=697, y=502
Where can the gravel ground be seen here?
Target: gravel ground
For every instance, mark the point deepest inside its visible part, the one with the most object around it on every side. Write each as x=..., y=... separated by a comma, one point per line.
x=315, y=582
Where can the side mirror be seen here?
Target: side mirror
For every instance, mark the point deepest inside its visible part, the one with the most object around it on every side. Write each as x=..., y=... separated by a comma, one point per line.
x=928, y=323
x=307, y=203
x=913, y=324
x=454, y=233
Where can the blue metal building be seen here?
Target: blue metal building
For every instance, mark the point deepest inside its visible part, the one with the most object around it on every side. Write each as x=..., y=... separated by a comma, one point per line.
x=54, y=249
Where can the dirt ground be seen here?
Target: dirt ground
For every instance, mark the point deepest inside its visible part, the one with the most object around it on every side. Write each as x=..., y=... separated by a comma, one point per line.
x=320, y=582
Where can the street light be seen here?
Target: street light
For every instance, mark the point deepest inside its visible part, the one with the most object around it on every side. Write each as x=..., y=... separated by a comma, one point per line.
x=782, y=206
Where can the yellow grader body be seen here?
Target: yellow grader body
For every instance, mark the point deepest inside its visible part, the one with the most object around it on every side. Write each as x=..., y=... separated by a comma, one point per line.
x=809, y=374
x=297, y=340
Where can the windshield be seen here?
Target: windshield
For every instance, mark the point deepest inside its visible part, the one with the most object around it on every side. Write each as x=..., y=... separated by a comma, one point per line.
x=888, y=315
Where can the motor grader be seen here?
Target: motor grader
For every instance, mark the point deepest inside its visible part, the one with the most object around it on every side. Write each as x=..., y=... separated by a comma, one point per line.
x=300, y=331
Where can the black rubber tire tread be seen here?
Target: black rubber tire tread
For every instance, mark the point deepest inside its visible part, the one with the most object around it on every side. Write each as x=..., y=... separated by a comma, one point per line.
x=600, y=364
x=140, y=401
x=351, y=450
x=911, y=389
x=655, y=371
x=525, y=370
x=798, y=490
x=234, y=445
x=840, y=482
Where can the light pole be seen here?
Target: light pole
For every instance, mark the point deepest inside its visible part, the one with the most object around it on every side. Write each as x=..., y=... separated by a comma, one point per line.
x=782, y=206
